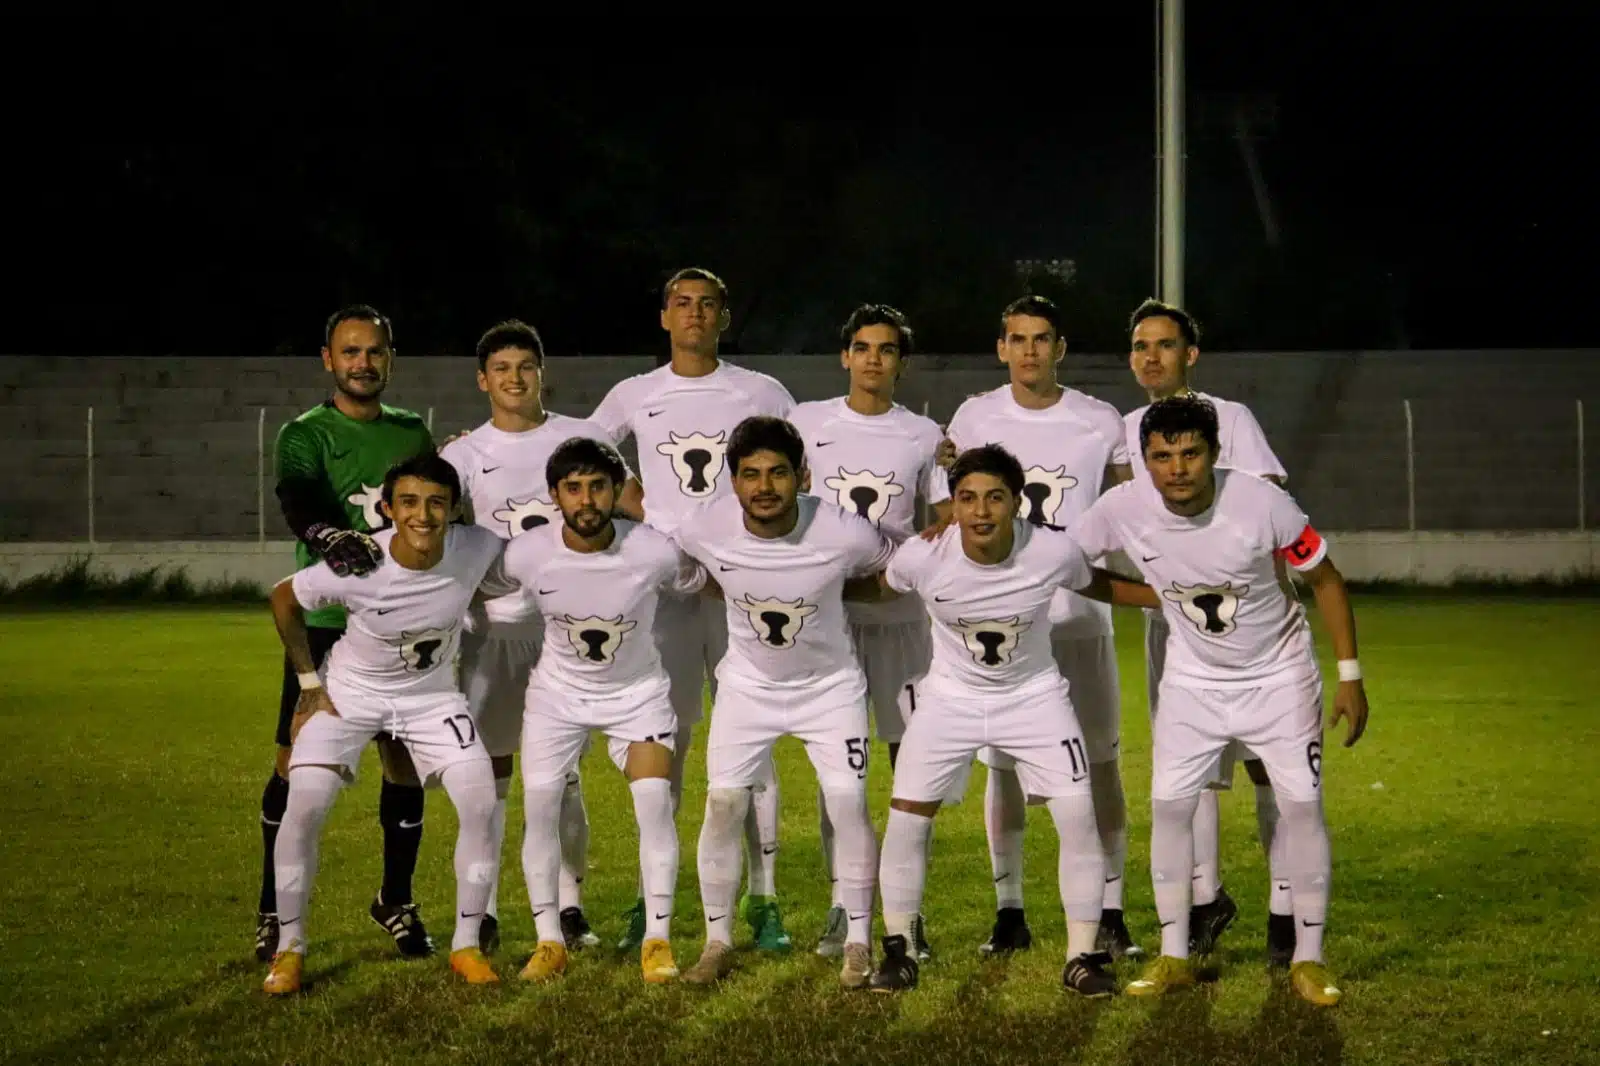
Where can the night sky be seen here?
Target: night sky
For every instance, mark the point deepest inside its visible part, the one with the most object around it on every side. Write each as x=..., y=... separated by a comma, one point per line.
x=177, y=188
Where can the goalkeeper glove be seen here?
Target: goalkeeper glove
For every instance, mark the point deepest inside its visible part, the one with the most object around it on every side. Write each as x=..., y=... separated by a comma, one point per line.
x=344, y=550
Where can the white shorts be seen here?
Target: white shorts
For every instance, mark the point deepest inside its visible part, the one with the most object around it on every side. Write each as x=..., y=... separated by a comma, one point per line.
x=1155, y=661
x=1090, y=666
x=892, y=657
x=747, y=720
x=436, y=729
x=555, y=729
x=1037, y=734
x=1281, y=725
x=691, y=635
x=494, y=676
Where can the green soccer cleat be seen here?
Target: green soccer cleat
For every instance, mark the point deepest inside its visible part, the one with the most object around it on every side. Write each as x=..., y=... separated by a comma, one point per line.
x=633, y=939
x=766, y=923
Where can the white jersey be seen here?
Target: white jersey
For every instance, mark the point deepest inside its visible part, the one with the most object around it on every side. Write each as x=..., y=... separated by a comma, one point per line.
x=786, y=624
x=1242, y=445
x=876, y=466
x=600, y=607
x=1064, y=451
x=403, y=625
x=991, y=622
x=1231, y=623
x=682, y=426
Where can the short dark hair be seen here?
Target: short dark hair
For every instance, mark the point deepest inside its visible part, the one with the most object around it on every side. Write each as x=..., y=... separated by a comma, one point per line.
x=584, y=455
x=1177, y=415
x=989, y=459
x=763, y=433
x=879, y=315
x=428, y=466
x=1153, y=308
x=1038, y=307
x=695, y=274
x=512, y=333
x=358, y=313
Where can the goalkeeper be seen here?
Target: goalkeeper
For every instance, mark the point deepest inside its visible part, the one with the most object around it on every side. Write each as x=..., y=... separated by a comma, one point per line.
x=331, y=462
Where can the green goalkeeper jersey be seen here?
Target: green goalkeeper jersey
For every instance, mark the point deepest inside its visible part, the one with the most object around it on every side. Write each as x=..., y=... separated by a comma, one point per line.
x=348, y=459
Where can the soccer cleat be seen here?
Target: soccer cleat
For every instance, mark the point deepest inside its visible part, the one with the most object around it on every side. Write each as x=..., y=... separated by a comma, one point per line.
x=657, y=963
x=1161, y=977
x=766, y=923
x=1087, y=976
x=471, y=964
x=898, y=970
x=833, y=933
x=919, y=939
x=857, y=969
x=489, y=935
x=1280, y=940
x=403, y=922
x=716, y=962
x=284, y=977
x=1010, y=933
x=548, y=961
x=1313, y=983
x=633, y=939
x=1113, y=938
x=575, y=930
x=1208, y=921
x=266, y=936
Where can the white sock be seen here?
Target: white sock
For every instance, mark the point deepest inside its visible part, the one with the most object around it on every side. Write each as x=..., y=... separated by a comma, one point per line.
x=658, y=852
x=1111, y=822
x=761, y=833
x=1274, y=846
x=1207, y=880
x=719, y=859
x=1171, y=868
x=1310, y=862
x=574, y=842
x=541, y=855
x=903, y=869
x=825, y=830
x=497, y=828
x=312, y=790
x=1080, y=870
x=471, y=788
x=1005, y=817
x=857, y=858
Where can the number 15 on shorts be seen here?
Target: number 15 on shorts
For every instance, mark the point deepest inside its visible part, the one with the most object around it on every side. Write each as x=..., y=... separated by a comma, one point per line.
x=855, y=754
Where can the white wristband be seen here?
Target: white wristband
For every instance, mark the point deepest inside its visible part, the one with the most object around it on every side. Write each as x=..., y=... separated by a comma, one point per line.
x=1349, y=669
x=310, y=681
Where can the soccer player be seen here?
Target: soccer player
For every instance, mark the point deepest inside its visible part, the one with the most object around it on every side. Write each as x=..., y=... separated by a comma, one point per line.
x=872, y=456
x=1240, y=666
x=393, y=672
x=681, y=416
x=1165, y=347
x=1070, y=445
x=331, y=462
x=781, y=560
x=502, y=468
x=989, y=587
x=596, y=581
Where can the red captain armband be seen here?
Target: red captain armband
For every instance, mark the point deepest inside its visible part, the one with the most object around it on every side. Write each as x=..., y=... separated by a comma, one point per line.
x=1306, y=551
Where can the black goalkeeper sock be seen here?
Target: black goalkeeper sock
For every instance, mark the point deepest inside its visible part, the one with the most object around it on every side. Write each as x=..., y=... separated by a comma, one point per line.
x=400, y=814
x=274, y=798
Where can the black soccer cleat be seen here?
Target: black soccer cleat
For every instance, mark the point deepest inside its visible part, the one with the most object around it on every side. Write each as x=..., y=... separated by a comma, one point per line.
x=919, y=939
x=267, y=936
x=898, y=970
x=489, y=935
x=1010, y=933
x=1086, y=975
x=1209, y=921
x=1113, y=940
x=575, y=930
x=1280, y=941
x=403, y=922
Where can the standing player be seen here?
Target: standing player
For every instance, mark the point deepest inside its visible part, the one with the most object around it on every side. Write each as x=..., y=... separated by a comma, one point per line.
x=392, y=673
x=681, y=416
x=1165, y=346
x=331, y=463
x=502, y=468
x=1070, y=445
x=781, y=560
x=872, y=456
x=1240, y=666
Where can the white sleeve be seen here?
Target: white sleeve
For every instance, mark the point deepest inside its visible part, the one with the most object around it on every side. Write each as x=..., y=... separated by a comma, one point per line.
x=614, y=415
x=1293, y=538
x=1245, y=447
x=1094, y=530
x=935, y=480
x=317, y=587
x=1075, y=571
x=905, y=569
x=685, y=537
x=457, y=455
x=867, y=549
x=960, y=432
x=781, y=400
x=497, y=580
x=1117, y=436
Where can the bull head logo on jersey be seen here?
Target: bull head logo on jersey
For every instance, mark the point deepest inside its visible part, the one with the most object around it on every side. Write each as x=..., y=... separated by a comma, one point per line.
x=368, y=499
x=1210, y=607
x=423, y=651
x=866, y=493
x=696, y=460
x=776, y=622
x=596, y=640
x=523, y=515
x=1044, y=490
x=992, y=640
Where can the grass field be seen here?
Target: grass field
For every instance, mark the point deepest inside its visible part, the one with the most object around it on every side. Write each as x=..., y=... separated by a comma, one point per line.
x=1465, y=926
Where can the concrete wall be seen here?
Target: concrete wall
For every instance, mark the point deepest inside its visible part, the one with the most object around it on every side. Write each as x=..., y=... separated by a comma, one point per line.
x=176, y=453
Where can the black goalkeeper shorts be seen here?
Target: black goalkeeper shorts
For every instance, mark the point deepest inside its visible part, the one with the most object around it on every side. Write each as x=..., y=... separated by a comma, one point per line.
x=321, y=639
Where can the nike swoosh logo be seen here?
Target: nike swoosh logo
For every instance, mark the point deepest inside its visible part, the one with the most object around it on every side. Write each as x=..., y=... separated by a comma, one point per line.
x=725, y=569
x=386, y=610
x=943, y=599
x=1310, y=925
x=715, y=917
x=537, y=913
x=546, y=592
x=770, y=851
x=662, y=917
x=1080, y=777
x=490, y=469
x=652, y=414
x=823, y=443
x=1111, y=879
x=410, y=825
x=858, y=917
x=465, y=915
x=1165, y=924
x=1002, y=877
x=336, y=456
x=1147, y=558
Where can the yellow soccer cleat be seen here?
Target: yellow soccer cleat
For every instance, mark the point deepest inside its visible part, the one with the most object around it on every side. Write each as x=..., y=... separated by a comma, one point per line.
x=1313, y=983
x=549, y=961
x=284, y=977
x=1161, y=977
x=655, y=959
x=471, y=964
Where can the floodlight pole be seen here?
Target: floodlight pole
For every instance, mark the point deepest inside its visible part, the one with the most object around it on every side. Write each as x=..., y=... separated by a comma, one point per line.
x=1169, y=150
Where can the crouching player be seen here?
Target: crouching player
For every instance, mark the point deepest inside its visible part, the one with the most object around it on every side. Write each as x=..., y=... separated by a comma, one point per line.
x=391, y=673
